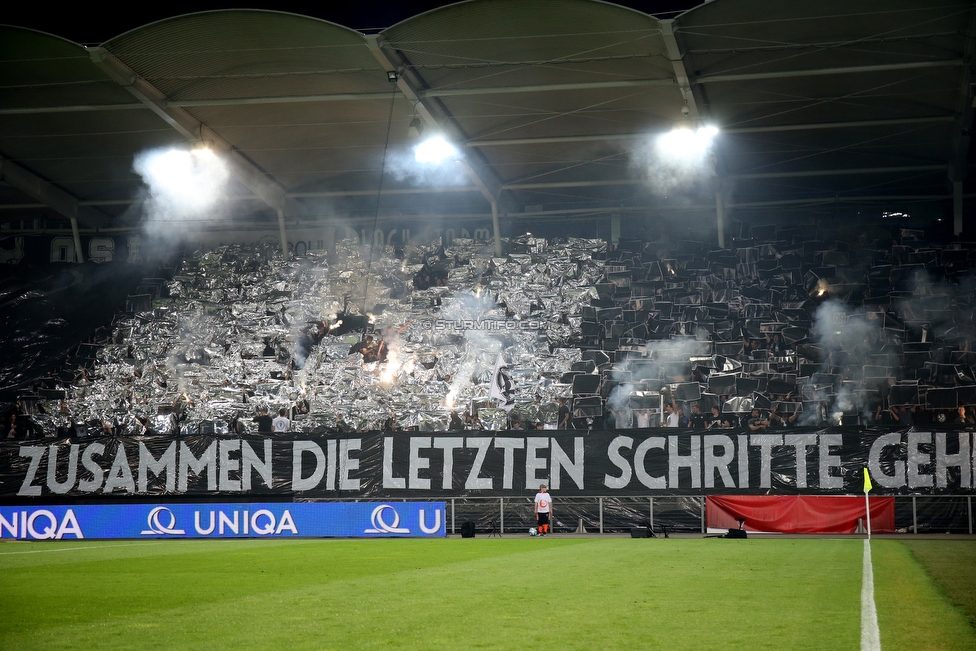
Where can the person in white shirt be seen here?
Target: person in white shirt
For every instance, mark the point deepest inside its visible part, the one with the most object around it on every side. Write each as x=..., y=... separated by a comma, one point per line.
x=543, y=510
x=281, y=424
x=672, y=417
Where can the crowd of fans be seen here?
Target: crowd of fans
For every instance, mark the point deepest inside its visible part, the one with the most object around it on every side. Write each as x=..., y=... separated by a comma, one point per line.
x=764, y=334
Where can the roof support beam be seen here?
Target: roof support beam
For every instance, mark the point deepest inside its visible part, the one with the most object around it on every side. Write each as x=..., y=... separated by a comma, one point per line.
x=243, y=169
x=50, y=195
x=735, y=177
x=817, y=72
x=856, y=124
x=685, y=82
x=716, y=78
x=965, y=102
x=436, y=116
x=676, y=55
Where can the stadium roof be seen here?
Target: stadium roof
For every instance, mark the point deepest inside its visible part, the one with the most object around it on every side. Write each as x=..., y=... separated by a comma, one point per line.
x=552, y=102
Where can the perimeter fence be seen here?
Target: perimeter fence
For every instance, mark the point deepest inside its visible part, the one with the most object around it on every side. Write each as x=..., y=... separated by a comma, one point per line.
x=951, y=514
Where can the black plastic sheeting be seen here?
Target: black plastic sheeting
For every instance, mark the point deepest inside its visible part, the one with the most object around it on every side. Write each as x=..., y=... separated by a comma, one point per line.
x=379, y=465
x=47, y=310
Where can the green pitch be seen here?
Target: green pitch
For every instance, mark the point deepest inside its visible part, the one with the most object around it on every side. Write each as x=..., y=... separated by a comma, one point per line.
x=513, y=593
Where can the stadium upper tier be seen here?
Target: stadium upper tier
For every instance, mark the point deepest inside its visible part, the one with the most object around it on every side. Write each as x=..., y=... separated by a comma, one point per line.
x=356, y=339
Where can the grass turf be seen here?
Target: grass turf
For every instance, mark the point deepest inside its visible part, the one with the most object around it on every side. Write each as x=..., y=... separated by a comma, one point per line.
x=513, y=593
x=952, y=563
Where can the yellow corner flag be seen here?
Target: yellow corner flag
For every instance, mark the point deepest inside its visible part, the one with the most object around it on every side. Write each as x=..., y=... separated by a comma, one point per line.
x=867, y=482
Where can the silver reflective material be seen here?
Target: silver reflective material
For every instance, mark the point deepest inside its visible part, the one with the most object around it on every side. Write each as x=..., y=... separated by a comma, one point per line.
x=231, y=338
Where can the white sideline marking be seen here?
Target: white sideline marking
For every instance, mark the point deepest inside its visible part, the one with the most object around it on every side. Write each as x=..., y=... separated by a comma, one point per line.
x=62, y=549
x=870, y=634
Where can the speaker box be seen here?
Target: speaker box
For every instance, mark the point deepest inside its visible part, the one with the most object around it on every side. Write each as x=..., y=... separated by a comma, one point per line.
x=736, y=533
x=467, y=529
x=639, y=532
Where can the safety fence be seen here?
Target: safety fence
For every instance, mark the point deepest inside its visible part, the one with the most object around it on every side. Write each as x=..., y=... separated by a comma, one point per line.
x=674, y=513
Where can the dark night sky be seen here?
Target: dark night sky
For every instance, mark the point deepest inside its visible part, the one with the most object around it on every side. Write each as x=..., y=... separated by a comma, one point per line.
x=89, y=23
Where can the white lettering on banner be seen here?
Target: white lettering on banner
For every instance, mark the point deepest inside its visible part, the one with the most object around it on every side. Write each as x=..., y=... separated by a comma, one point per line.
x=260, y=523
x=437, y=522
x=640, y=469
x=101, y=249
x=120, y=474
x=389, y=481
x=62, y=249
x=166, y=463
x=912, y=459
x=190, y=463
x=917, y=459
x=448, y=444
x=60, y=488
x=133, y=243
x=250, y=462
x=800, y=443
x=508, y=446
x=98, y=475
x=677, y=461
x=895, y=480
x=613, y=453
x=11, y=527
x=36, y=453
x=713, y=462
x=227, y=465
x=300, y=483
x=475, y=481
x=200, y=530
x=765, y=443
x=347, y=464
x=533, y=463
x=944, y=460
x=743, y=446
x=418, y=463
x=42, y=524
x=222, y=520
x=830, y=461
x=561, y=461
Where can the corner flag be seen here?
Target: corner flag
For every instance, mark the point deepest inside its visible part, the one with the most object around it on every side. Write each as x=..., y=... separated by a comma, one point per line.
x=867, y=505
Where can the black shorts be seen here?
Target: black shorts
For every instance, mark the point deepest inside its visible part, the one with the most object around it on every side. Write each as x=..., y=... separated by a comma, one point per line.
x=543, y=518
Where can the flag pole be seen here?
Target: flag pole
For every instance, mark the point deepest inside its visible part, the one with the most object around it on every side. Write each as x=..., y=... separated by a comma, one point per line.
x=867, y=504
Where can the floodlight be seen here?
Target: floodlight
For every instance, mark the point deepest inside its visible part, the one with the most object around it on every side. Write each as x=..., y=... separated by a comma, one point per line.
x=684, y=144
x=435, y=150
x=188, y=181
x=416, y=128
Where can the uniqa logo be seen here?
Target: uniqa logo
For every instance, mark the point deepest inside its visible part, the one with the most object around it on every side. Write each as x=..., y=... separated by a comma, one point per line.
x=380, y=525
x=157, y=528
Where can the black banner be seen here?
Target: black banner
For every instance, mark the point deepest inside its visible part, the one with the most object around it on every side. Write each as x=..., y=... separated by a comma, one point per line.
x=418, y=465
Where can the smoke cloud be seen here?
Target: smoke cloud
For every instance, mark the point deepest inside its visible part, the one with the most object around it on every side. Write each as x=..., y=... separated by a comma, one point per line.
x=182, y=185
x=676, y=161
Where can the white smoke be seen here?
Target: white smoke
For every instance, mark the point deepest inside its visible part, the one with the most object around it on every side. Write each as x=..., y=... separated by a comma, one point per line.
x=665, y=350
x=847, y=335
x=404, y=167
x=480, y=347
x=677, y=160
x=183, y=185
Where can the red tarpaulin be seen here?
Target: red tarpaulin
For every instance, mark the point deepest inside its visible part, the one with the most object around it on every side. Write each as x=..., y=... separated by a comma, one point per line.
x=798, y=513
